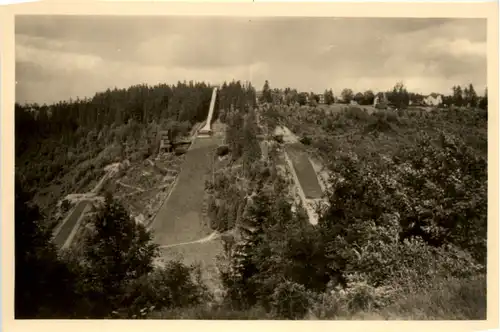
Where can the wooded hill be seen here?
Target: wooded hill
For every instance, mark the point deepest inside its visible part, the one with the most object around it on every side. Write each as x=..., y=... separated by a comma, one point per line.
x=64, y=146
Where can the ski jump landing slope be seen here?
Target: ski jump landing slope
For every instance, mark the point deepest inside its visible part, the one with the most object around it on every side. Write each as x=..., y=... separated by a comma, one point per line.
x=180, y=219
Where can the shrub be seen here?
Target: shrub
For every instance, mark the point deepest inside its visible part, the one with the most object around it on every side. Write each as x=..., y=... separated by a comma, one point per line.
x=380, y=125
x=392, y=117
x=222, y=150
x=290, y=301
x=65, y=205
x=306, y=140
x=327, y=306
x=171, y=286
x=278, y=138
x=361, y=296
x=443, y=298
x=325, y=145
x=180, y=151
x=356, y=113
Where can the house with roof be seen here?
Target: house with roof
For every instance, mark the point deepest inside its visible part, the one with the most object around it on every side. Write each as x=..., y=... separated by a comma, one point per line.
x=380, y=101
x=321, y=98
x=165, y=141
x=433, y=99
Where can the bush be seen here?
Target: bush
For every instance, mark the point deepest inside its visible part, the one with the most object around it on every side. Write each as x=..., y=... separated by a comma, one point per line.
x=278, y=138
x=306, y=140
x=290, y=301
x=443, y=298
x=65, y=205
x=326, y=144
x=180, y=151
x=356, y=113
x=222, y=150
x=380, y=125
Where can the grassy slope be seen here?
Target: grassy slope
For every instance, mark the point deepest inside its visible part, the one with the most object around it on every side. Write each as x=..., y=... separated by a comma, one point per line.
x=180, y=219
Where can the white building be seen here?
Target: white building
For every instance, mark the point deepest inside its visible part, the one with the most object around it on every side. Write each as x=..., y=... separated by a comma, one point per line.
x=433, y=100
x=321, y=98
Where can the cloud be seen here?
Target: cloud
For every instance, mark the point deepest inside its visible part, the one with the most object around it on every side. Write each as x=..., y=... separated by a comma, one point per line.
x=58, y=57
x=457, y=47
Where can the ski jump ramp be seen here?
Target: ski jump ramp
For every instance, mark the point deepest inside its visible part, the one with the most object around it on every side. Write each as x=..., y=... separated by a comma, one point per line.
x=207, y=129
x=180, y=219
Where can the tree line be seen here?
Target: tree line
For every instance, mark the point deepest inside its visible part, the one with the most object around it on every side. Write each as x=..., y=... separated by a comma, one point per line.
x=62, y=135
x=399, y=96
x=140, y=103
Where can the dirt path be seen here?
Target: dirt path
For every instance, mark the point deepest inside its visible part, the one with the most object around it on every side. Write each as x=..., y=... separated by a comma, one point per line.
x=215, y=235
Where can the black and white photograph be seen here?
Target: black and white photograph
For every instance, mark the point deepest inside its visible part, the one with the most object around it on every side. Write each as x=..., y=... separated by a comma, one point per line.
x=211, y=167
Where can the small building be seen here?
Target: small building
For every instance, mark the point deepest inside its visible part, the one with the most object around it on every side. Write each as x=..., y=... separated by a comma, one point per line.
x=165, y=141
x=433, y=100
x=321, y=98
x=380, y=101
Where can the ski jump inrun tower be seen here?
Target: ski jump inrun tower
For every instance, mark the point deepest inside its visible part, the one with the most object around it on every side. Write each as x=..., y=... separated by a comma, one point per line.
x=207, y=129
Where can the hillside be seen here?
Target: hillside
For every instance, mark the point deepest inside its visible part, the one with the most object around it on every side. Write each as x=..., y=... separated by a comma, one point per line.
x=402, y=233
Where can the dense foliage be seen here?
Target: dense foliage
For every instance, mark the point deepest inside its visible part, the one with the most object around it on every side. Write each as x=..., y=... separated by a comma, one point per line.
x=72, y=141
x=403, y=234
x=407, y=214
x=398, y=97
x=42, y=281
x=112, y=275
x=62, y=148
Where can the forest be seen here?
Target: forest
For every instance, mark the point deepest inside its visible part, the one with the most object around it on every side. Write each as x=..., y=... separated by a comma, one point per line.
x=403, y=235
x=72, y=141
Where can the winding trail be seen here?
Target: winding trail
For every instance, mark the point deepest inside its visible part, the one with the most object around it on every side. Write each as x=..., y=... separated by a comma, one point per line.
x=215, y=235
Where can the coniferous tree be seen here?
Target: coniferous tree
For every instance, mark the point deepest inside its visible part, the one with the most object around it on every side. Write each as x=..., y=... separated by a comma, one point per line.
x=267, y=96
x=44, y=285
x=472, y=97
x=329, y=98
x=483, y=104
x=116, y=252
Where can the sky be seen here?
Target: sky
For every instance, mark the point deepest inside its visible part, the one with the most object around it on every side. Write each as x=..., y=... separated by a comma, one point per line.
x=62, y=57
